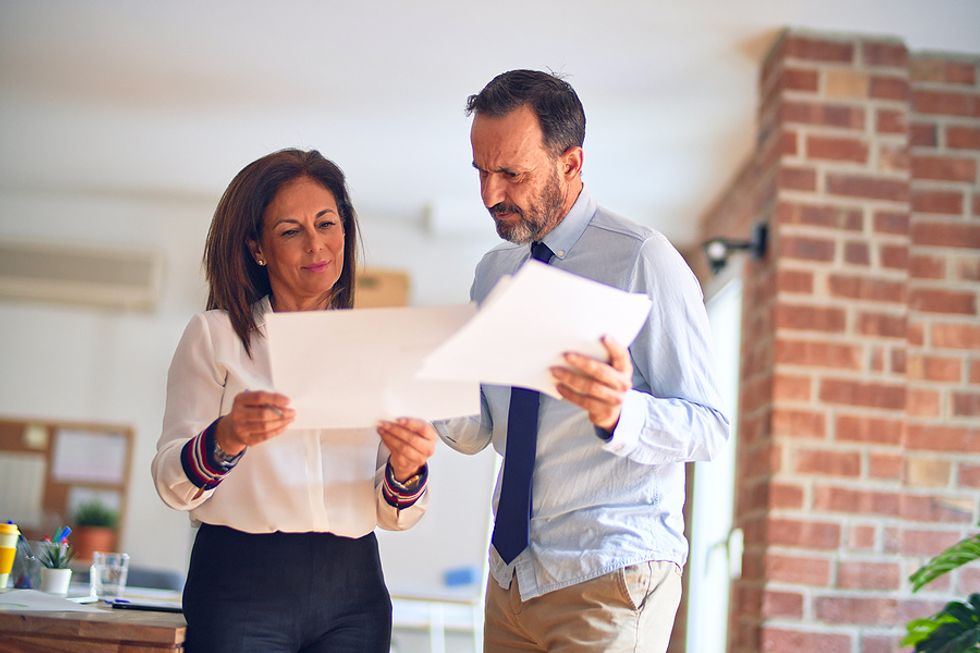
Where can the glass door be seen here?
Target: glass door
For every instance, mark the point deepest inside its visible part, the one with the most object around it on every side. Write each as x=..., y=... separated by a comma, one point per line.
x=715, y=549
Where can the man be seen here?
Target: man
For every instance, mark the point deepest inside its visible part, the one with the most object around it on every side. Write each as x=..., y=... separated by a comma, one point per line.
x=588, y=538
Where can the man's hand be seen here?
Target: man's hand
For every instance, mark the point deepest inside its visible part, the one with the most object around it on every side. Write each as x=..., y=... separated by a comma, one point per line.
x=411, y=443
x=255, y=417
x=596, y=386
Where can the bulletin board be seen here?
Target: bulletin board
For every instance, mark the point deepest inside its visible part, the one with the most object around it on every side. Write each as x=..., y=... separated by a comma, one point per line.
x=48, y=468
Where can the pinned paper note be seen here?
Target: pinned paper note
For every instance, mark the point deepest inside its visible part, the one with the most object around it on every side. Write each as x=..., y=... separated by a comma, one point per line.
x=88, y=456
x=528, y=321
x=22, y=487
x=35, y=436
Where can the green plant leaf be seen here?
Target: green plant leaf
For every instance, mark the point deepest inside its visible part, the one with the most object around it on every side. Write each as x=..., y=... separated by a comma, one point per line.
x=955, y=556
x=56, y=556
x=967, y=642
x=922, y=629
x=962, y=612
x=955, y=629
x=951, y=639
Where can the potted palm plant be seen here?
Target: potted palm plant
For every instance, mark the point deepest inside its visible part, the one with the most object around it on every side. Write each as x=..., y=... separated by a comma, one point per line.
x=95, y=529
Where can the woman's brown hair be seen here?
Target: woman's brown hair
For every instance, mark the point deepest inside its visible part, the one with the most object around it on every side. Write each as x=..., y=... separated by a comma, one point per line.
x=235, y=280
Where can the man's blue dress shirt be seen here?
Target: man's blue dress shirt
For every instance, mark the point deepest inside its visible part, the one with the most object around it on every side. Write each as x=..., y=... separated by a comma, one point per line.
x=600, y=505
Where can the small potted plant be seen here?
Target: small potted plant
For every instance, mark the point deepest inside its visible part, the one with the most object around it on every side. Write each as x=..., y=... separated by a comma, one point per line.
x=95, y=529
x=55, y=573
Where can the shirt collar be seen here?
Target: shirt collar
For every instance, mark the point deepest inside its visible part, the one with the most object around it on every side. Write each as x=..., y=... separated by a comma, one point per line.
x=260, y=309
x=566, y=233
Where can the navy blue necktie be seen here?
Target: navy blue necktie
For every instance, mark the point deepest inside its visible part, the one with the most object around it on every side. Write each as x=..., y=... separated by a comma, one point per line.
x=511, y=528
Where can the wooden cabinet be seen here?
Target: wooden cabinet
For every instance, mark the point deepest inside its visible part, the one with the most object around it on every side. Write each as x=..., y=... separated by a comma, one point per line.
x=106, y=631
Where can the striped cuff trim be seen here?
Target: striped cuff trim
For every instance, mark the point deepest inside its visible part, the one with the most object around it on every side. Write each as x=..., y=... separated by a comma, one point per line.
x=197, y=459
x=397, y=495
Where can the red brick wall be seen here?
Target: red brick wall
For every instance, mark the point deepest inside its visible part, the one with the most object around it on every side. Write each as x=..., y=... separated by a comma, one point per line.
x=859, y=433
x=942, y=439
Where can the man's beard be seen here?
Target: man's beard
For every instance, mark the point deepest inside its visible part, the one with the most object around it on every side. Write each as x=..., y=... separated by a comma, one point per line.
x=543, y=213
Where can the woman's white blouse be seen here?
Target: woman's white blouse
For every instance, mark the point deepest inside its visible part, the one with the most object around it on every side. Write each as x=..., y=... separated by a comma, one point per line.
x=301, y=481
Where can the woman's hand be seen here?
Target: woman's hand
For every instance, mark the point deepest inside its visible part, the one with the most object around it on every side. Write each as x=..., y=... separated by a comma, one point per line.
x=255, y=417
x=411, y=443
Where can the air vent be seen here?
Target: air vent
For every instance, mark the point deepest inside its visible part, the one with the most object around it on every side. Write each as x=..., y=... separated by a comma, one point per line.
x=79, y=274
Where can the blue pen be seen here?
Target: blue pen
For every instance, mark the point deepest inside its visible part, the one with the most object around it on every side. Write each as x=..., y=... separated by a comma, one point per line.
x=66, y=531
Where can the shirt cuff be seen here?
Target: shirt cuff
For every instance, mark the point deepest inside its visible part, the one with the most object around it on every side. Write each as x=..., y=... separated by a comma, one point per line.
x=399, y=496
x=626, y=435
x=198, y=459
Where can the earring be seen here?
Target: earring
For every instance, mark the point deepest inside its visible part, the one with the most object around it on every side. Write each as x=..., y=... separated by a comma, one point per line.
x=260, y=261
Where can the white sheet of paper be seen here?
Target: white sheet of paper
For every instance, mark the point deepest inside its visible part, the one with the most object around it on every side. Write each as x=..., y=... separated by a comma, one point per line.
x=17, y=600
x=525, y=325
x=348, y=369
x=88, y=456
x=22, y=487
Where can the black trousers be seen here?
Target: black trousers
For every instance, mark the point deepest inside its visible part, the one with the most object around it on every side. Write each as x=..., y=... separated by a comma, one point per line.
x=285, y=592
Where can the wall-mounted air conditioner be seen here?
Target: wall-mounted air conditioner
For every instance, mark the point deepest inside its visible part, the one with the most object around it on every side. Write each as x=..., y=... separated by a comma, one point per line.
x=103, y=277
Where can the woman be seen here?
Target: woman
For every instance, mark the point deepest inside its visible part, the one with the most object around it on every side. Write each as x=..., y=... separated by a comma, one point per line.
x=285, y=558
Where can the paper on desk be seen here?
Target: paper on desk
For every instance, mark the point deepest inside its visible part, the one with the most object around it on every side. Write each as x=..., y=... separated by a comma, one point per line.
x=350, y=368
x=528, y=321
x=15, y=600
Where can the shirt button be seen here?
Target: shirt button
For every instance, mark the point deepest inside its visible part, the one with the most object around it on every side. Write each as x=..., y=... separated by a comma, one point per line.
x=560, y=252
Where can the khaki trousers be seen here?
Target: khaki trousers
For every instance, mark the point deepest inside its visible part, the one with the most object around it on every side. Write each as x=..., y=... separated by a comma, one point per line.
x=628, y=610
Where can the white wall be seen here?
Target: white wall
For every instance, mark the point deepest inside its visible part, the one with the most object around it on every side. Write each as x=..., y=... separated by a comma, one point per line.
x=89, y=364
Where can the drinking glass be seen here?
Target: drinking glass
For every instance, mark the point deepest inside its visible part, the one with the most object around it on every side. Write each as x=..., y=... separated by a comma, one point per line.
x=108, y=574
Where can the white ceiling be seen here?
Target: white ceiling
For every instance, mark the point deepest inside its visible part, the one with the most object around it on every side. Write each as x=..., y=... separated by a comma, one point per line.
x=170, y=99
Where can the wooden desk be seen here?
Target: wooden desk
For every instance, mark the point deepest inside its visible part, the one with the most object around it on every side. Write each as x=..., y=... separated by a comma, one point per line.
x=106, y=631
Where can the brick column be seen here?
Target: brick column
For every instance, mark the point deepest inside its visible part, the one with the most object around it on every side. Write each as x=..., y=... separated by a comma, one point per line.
x=942, y=448
x=859, y=438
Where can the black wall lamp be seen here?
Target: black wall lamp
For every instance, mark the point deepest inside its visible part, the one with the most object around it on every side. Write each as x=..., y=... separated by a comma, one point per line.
x=717, y=250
